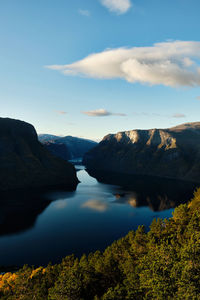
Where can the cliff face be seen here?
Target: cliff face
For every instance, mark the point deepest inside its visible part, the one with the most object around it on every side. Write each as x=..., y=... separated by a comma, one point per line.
x=173, y=152
x=26, y=163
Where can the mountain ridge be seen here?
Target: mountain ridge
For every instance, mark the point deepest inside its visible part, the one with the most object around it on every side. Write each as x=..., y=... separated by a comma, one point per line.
x=26, y=163
x=67, y=147
x=172, y=152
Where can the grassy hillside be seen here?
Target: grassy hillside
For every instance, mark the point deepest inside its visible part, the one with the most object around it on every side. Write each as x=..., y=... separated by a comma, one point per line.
x=161, y=264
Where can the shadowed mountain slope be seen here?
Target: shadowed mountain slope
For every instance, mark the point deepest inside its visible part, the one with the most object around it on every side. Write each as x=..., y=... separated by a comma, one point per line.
x=69, y=147
x=173, y=152
x=26, y=163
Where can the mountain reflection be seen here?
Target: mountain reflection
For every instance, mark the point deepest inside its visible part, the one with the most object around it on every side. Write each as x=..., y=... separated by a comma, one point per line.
x=157, y=193
x=97, y=205
x=19, y=210
x=38, y=228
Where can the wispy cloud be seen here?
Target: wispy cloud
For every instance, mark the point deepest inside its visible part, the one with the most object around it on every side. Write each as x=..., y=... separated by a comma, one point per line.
x=170, y=63
x=179, y=116
x=117, y=6
x=101, y=113
x=60, y=112
x=147, y=114
x=84, y=12
x=97, y=205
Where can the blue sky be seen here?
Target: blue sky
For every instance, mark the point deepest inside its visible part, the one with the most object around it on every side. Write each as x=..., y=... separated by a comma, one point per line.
x=91, y=100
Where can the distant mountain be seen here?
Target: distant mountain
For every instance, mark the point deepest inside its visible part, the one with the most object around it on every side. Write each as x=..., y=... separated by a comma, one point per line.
x=58, y=149
x=47, y=137
x=26, y=163
x=67, y=147
x=173, y=152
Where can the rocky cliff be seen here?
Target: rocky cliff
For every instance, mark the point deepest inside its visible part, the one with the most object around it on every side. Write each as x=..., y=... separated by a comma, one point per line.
x=26, y=163
x=173, y=152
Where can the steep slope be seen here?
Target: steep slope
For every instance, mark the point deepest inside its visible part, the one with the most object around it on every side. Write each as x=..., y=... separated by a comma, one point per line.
x=173, y=152
x=75, y=147
x=25, y=162
x=58, y=149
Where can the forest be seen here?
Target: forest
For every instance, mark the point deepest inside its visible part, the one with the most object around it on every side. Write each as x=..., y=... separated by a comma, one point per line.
x=162, y=263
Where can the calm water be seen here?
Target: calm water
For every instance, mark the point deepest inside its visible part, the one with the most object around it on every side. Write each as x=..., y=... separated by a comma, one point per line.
x=39, y=229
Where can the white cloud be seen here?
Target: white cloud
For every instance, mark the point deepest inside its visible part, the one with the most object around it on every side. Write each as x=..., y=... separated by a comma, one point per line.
x=97, y=205
x=179, y=116
x=170, y=63
x=117, y=6
x=84, y=12
x=102, y=113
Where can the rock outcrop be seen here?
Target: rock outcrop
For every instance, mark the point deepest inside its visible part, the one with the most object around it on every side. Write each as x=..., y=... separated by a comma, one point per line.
x=172, y=153
x=26, y=163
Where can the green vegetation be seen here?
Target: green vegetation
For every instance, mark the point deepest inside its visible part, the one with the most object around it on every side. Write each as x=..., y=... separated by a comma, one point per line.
x=161, y=264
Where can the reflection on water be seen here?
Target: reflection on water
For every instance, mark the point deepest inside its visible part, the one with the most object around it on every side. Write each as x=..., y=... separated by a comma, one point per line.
x=60, y=204
x=19, y=211
x=155, y=192
x=97, y=205
x=36, y=229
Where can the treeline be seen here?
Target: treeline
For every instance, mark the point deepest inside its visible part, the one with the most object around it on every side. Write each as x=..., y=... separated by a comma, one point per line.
x=161, y=264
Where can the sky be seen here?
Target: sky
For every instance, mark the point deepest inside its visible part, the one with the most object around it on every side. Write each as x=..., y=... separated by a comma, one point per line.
x=93, y=67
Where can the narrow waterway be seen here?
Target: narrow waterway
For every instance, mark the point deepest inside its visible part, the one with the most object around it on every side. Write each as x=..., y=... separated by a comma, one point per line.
x=62, y=223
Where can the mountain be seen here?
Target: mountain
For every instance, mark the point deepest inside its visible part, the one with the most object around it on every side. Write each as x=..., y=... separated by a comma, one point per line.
x=74, y=147
x=47, y=137
x=26, y=163
x=172, y=152
x=58, y=149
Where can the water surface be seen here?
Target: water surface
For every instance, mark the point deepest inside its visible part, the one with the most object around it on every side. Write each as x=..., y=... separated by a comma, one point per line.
x=39, y=229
